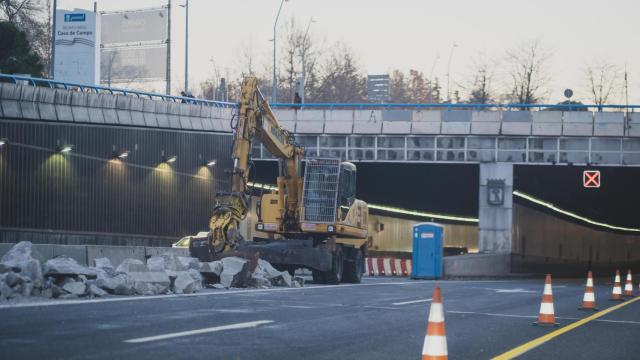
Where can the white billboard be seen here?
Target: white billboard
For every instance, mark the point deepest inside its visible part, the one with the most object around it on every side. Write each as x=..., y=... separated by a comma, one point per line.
x=133, y=64
x=138, y=26
x=77, y=47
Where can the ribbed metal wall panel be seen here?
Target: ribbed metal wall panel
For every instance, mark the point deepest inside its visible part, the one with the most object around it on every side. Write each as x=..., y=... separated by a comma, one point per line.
x=87, y=191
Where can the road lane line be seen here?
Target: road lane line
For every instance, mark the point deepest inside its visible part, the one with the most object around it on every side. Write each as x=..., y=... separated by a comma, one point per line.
x=534, y=317
x=517, y=351
x=208, y=293
x=411, y=302
x=245, y=325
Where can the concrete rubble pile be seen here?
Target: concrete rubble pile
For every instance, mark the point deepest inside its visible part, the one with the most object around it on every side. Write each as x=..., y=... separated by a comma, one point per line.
x=21, y=275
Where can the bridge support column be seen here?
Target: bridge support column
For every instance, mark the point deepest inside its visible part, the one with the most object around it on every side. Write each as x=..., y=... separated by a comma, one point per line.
x=495, y=208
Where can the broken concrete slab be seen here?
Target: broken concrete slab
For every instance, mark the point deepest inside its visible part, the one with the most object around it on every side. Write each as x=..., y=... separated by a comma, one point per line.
x=211, y=268
x=155, y=263
x=188, y=262
x=150, y=282
x=18, y=259
x=65, y=266
x=185, y=283
x=171, y=262
x=114, y=283
x=235, y=272
x=277, y=278
x=132, y=265
x=103, y=263
x=94, y=291
x=77, y=288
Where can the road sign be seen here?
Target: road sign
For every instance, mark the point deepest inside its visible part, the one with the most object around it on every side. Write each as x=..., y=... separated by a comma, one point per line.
x=591, y=178
x=568, y=93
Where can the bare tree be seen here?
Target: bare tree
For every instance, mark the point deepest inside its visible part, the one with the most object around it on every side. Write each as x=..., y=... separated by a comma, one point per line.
x=17, y=11
x=603, y=79
x=341, y=78
x=481, y=85
x=527, y=72
x=398, y=89
x=34, y=18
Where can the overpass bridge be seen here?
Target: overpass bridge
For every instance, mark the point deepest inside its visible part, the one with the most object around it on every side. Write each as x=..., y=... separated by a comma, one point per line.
x=39, y=116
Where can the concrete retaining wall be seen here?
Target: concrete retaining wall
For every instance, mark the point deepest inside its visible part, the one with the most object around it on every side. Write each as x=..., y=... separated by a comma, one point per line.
x=545, y=243
x=46, y=104
x=86, y=254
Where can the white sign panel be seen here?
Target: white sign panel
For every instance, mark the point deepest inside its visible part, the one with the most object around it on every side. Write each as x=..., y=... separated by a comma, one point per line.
x=138, y=26
x=77, y=47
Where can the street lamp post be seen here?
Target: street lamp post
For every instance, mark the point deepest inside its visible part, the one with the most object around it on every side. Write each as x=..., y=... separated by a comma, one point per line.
x=274, y=86
x=449, y=72
x=53, y=40
x=303, y=52
x=186, y=48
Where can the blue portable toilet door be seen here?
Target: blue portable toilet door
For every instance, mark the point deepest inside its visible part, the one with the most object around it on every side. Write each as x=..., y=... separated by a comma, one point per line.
x=427, y=251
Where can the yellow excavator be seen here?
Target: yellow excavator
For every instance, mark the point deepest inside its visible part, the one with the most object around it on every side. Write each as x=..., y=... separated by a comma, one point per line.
x=312, y=220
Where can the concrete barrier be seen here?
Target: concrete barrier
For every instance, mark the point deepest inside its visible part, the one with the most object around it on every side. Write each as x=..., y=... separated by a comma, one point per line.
x=155, y=251
x=608, y=124
x=45, y=100
x=485, y=128
x=577, y=123
x=115, y=253
x=337, y=127
x=396, y=127
x=86, y=254
x=28, y=104
x=425, y=127
x=547, y=123
x=473, y=265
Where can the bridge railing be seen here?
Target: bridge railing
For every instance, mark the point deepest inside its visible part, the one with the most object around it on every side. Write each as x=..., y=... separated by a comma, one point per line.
x=17, y=79
x=328, y=106
x=458, y=106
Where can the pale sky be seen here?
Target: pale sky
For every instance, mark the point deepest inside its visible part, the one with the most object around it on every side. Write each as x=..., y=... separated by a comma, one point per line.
x=404, y=34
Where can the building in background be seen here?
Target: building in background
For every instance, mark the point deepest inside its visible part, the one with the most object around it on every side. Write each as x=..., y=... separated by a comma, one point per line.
x=77, y=46
x=134, y=48
x=378, y=88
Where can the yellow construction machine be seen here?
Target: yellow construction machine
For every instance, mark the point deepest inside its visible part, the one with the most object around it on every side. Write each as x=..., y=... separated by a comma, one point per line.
x=312, y=220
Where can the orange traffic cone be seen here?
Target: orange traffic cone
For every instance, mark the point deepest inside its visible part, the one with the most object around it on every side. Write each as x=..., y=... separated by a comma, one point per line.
x=547, y=315
x=435, y=342
x=628, y=286
x=616, y=294
x=589, y=299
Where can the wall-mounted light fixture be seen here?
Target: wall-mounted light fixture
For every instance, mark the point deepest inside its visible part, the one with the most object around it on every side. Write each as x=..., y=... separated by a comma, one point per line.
x=169, y=159
x=63, y=149
x=3, y=142
x=211, y=163
x=121, y=155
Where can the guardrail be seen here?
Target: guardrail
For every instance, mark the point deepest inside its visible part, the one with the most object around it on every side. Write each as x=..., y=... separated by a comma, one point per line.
x=358, y=106
x=459, y=106
x=15, y=79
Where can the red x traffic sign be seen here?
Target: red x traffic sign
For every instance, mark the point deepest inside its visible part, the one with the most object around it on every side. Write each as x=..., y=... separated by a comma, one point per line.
x=591, y=178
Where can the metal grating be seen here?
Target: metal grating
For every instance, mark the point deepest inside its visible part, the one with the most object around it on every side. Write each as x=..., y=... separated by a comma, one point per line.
x=320, y=193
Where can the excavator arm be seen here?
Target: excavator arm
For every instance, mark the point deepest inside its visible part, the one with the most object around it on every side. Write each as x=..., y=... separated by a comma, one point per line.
x=254, y=120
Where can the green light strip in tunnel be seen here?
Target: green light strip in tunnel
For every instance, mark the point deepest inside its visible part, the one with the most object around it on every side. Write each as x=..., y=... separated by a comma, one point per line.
x=517, y=193
x=569, y=213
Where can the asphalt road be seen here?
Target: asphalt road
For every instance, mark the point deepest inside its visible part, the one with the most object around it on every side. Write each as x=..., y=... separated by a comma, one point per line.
x=383, y=318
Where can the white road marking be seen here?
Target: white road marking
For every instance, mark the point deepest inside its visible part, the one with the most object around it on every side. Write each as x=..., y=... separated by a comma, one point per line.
x=490, y=314
x=237, y=326
x=207, y=293
x=411, y=302
x=231, y=292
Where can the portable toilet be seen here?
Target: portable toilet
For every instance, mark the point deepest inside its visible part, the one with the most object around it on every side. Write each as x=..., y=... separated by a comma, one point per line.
x=427, y=251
